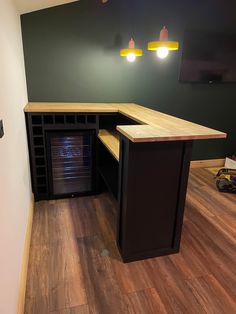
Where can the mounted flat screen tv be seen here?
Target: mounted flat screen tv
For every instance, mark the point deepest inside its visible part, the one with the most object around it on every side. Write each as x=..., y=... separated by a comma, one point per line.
x=208, y=57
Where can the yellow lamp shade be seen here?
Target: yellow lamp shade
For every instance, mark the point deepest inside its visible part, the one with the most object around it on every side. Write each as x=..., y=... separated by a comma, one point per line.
x=131, y=50
x=170, y=45
x=136, y=52
x=163, y=42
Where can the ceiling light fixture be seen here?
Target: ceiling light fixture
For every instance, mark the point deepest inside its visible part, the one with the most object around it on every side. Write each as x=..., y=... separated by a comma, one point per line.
x=131, y=52
x=163, y=46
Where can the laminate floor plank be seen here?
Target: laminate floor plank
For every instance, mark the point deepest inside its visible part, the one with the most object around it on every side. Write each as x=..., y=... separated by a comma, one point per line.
x=37, y=295
x=203, y=177
x=66, y=281
x=146, y=301
x=103, y=293
x=132, y=277
x=83, y=213
x=106, y=220
x=82, y=309
x=212, y=201
x=212, y=297
x=188, y=262
x=175, y=293
x=40, y=230
x=75, y=267
x=214, y=264
x=215, y=242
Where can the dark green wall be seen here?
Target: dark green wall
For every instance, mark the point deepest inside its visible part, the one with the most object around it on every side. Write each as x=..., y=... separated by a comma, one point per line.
x=72, y=54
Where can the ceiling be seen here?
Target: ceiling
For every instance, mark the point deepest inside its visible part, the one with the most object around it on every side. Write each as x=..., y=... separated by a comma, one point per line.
x=26, y=6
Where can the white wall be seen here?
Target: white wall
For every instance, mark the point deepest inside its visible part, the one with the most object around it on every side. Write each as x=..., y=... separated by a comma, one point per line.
x=15, y=188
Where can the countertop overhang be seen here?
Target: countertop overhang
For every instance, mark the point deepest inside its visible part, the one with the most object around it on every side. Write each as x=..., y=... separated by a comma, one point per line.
x=155, y=126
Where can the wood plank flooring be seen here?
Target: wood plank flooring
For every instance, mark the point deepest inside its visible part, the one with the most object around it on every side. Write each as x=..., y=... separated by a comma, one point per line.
x=75, y=267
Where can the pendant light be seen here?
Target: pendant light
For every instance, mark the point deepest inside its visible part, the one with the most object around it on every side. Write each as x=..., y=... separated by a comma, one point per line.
x=163, y=46
x=131, y=52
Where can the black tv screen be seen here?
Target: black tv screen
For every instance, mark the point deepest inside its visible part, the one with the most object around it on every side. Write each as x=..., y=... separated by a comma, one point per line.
x=208, y=57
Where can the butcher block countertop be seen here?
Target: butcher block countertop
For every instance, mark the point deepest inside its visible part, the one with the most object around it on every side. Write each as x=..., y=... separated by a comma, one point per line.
x=155, y=126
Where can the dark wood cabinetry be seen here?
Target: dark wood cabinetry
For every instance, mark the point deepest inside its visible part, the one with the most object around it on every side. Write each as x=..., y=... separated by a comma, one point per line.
x=152, y=189
x=148, y=180
x=144, y=166
x=39, y=128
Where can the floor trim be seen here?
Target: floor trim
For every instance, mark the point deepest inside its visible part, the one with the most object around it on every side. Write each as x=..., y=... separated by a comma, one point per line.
x=207, y=163
x=25, y=259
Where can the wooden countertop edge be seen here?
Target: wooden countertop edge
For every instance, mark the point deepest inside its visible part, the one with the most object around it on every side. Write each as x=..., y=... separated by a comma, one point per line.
x=81, y=108
x=156, y=138
x=146, y=117
x=74, y=111
x=169, y=139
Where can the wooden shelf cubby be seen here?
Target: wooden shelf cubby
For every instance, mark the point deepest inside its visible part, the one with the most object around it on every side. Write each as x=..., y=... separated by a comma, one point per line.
x=111, y=140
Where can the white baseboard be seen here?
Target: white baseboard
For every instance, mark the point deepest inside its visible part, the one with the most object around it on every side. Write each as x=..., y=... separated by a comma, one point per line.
x=207, y=163
x=25, y=259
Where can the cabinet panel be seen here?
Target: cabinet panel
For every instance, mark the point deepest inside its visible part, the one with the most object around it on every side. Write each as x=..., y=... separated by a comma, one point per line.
x=153, y=182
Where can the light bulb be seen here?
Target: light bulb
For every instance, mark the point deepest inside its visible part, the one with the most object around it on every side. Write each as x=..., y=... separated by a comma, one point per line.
x=162, y=52
x=131, y=57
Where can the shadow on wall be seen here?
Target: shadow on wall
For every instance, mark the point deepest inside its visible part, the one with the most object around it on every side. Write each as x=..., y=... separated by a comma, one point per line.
x=115, y=46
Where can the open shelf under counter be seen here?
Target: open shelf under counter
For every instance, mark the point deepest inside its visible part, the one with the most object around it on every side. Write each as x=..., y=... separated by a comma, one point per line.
x=108, y=159
x=111, y=140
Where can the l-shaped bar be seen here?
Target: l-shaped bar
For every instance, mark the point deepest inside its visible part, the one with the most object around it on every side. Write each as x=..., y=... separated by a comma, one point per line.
x=152, y=173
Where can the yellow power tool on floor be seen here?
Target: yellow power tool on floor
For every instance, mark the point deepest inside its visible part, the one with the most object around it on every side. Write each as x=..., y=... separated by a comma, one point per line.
x=226, y=180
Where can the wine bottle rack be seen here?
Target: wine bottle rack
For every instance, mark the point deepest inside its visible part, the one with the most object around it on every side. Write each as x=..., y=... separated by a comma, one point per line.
x=38, y=124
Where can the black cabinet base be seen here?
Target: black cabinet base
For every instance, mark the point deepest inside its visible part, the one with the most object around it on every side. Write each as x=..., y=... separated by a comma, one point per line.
x=152, y=191
x=146, y=254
